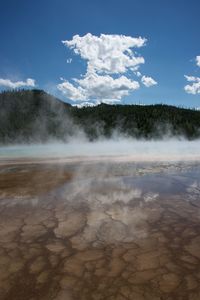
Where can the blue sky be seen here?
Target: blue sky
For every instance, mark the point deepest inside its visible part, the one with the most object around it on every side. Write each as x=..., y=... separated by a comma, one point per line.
x=31, y=34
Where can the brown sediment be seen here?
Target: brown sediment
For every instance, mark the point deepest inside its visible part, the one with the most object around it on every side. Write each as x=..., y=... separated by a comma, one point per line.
x=100, y=158
x=64, y=236
x=34, y=180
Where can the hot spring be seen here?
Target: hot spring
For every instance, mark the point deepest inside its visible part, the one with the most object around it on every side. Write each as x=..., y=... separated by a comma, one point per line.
x=109, y=220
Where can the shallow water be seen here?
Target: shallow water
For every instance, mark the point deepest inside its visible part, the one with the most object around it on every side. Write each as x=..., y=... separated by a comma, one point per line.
x=135, y=150
x=100, y=231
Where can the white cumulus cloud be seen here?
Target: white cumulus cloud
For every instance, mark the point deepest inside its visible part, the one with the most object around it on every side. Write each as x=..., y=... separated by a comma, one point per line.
x=106, y=87
x=148, y=81
x=94, y=86
x=7, y=83
x=107, y=53
x=194, y=87
x=71, y=92
x=108, y=58
x=86, y=104
x=95, y=103
x=198, y=60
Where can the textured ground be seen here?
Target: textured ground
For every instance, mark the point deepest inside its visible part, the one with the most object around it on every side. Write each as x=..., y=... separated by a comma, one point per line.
x=100, y=231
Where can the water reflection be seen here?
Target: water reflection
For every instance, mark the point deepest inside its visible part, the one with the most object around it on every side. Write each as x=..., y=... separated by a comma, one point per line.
x=95, y=231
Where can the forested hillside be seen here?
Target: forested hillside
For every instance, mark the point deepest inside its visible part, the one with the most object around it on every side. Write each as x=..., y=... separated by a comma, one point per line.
x=34, y=115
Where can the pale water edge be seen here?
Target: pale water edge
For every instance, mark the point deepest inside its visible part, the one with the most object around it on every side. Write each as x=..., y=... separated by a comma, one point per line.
x=169, y=150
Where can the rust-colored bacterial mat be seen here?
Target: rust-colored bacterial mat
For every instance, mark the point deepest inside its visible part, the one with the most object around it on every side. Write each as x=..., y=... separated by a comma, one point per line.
x=100, y=231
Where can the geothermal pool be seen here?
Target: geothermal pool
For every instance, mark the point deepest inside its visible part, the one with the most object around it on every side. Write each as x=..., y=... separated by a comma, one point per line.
x=103, y=229
x=133, y=150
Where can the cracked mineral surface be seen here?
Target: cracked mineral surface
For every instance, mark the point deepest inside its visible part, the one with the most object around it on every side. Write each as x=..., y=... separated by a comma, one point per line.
x=92, y=231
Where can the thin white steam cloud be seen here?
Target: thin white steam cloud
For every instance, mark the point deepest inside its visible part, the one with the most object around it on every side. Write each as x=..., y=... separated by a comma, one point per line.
x=117, y=149
x=7, y=83
x=109, y=58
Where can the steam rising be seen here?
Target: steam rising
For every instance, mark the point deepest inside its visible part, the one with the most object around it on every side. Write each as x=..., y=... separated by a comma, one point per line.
x=117, y=149
x=51, y=122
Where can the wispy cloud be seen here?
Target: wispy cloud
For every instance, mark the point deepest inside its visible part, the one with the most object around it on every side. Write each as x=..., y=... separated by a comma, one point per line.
x=7, y=83
x=198, y=60
x=148, y=81
x=69, y=60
